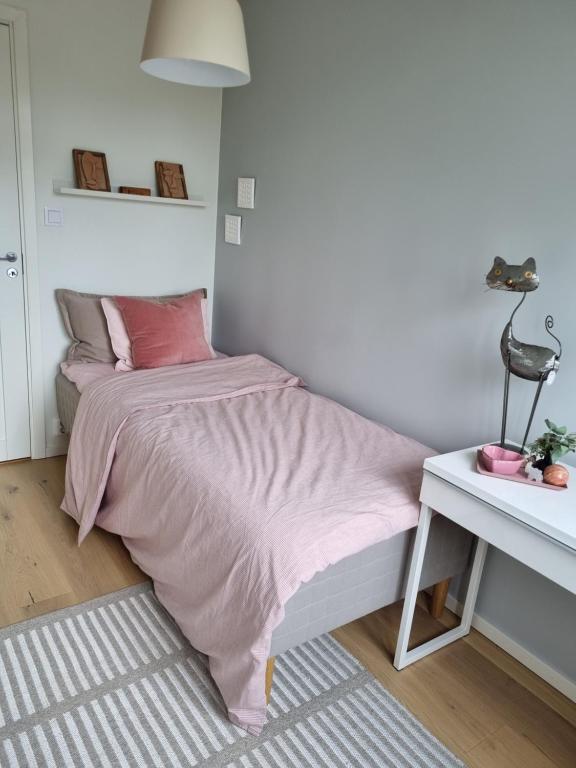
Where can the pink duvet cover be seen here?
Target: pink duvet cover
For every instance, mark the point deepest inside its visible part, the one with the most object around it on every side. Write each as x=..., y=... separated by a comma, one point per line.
x=231, y=485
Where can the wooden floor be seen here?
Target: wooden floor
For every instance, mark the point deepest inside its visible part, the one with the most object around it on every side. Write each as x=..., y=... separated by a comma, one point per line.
x=485, y=706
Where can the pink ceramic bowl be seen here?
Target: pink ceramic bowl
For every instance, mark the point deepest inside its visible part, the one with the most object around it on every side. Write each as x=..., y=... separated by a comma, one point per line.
x=501, y=461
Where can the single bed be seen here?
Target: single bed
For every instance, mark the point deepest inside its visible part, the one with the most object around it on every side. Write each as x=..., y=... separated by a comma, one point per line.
x=346, y=590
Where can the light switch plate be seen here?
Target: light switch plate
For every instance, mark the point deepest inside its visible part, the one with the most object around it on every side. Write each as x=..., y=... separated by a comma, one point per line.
x=232, y=229
x=246, y=192
x=53, y=217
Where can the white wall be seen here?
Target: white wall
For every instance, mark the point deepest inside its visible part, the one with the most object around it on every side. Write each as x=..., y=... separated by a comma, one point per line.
x=88, y=92
x=399, y=145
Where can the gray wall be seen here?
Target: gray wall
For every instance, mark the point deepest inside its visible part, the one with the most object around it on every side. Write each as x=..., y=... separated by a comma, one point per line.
x=398, y=147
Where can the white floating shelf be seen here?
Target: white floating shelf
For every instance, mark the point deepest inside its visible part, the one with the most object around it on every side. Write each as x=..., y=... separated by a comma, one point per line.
x=63, y=190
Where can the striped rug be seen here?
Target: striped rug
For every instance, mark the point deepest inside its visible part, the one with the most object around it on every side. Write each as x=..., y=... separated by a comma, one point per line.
x=114, y=683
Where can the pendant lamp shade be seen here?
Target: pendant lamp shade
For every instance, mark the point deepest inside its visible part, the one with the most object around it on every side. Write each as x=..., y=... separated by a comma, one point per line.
x=196, y=42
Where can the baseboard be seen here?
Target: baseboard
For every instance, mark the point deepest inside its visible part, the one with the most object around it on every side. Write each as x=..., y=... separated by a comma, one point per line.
x=57, y=446
x=517, y=651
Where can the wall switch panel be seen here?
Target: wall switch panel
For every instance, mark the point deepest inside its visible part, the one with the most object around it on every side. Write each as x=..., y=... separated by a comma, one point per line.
x=232, y=229
x=246, y=192
x=53, y=217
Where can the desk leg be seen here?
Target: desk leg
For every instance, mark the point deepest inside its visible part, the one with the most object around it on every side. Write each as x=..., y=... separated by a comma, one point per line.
x=416, y=562
x=403, y=656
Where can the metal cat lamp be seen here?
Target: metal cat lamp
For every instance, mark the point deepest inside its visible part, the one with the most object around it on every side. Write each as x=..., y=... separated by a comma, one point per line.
x=527, y=361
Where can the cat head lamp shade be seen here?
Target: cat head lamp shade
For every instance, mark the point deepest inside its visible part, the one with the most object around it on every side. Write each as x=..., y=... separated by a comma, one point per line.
x=196, y=42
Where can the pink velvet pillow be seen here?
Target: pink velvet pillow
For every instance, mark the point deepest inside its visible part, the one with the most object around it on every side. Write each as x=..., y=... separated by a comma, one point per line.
x=168, y=333
x=119, y=335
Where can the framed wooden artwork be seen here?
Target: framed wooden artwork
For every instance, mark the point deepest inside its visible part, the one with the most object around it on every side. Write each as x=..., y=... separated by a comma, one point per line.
x=170, y=180
x=91, y=170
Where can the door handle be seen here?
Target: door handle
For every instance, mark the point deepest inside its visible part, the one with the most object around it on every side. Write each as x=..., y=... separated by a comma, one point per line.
x=11, y=256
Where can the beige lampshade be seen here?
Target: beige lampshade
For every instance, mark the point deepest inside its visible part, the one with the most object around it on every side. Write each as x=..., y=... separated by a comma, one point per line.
x=197, y=42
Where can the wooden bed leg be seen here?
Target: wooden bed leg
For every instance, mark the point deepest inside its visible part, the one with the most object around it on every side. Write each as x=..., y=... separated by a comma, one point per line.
x=439, y=595
x=269, y=676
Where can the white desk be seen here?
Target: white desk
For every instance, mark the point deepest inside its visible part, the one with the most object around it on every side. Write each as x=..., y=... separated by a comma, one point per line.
x=534, y=525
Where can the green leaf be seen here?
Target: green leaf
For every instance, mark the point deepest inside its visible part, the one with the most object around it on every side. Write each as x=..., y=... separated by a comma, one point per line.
x=550, y=425
x=562, y=430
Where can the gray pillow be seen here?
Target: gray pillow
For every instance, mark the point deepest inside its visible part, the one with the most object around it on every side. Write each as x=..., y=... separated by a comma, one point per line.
x=85, y=323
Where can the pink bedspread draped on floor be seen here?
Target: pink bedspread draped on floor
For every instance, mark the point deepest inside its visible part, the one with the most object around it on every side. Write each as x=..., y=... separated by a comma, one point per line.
x=231, y=485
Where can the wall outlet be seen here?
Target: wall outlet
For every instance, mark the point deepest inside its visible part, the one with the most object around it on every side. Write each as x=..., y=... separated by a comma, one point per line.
x=232, y=229
x=57, y=428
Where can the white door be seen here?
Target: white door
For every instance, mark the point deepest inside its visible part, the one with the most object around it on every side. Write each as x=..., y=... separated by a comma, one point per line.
x=14, y=408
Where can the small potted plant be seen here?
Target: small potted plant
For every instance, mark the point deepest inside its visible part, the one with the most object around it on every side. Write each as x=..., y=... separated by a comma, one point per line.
x=551, y=446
